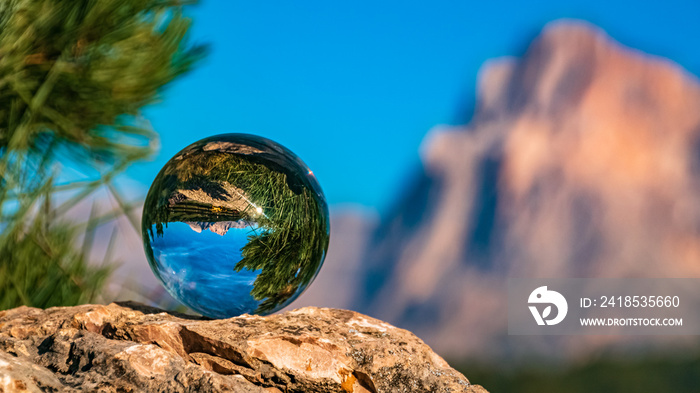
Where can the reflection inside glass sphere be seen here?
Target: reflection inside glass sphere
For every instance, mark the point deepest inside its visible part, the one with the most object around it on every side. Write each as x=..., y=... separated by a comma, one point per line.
x=235, y=224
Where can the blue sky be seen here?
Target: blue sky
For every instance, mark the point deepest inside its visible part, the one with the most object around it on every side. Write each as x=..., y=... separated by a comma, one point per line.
x=352, y=87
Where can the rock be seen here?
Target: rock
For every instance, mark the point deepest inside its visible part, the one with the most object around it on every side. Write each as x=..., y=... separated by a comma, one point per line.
x=131, y=347
x=219, y=227
x=232, y=198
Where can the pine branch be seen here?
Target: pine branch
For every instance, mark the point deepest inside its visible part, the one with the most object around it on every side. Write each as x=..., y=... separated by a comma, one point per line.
x=74, y=76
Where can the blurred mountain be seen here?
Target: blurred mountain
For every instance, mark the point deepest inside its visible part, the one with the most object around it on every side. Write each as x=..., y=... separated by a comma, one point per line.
x=582, y=160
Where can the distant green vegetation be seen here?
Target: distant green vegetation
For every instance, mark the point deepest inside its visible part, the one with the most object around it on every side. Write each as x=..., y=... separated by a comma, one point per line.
x=74, y=76
x=291, y=234
x=644, y=374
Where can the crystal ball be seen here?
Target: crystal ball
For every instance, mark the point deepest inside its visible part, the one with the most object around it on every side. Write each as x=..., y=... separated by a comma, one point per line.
x=235, y=224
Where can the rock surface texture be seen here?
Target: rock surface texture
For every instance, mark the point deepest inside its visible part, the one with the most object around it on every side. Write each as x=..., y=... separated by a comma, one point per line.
x=129, y=347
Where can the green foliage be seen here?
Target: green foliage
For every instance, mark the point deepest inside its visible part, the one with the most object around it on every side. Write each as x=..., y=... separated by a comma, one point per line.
x=42, y=267
x=71, y=70
x=73, y=77
x=640, y=374
x=289, y=247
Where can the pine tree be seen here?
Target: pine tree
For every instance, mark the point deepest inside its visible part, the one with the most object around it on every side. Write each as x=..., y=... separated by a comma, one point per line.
x=74, y=76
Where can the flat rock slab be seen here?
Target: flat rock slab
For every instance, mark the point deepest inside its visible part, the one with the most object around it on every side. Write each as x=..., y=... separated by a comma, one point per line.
x=129, y=347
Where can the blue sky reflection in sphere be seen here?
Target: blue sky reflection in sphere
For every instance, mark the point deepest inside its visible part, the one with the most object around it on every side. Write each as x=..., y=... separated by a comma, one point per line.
x=235, y=224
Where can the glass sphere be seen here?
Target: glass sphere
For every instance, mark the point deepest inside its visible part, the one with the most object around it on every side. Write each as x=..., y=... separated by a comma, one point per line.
x=235, y=224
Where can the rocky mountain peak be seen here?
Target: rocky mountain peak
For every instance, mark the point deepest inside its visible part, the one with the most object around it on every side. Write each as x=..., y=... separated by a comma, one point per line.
x=581, y=161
